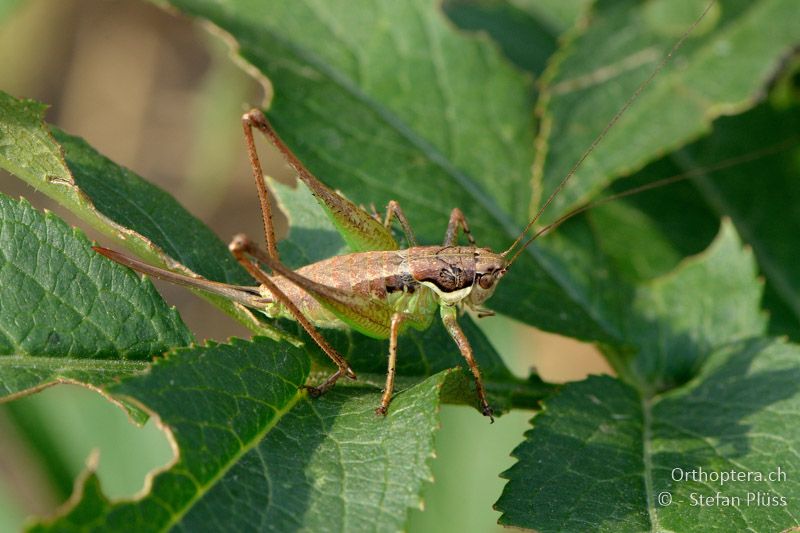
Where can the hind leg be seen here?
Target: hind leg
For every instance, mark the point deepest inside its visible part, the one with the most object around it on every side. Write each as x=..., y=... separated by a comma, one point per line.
x=243, y=250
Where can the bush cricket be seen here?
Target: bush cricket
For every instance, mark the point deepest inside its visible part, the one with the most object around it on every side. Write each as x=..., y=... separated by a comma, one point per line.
x=378, y=290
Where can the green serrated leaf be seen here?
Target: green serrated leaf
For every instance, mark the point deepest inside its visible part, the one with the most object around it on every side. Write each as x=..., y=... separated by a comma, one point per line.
x=588, y=442
x=113, y=199
x=760, y=197
x=601, y=455
x=63, y=300
x=699, y=380
x=756, y=189
x=666, y=326
x=62, y=305
x=269, y=455
x=679, y=104
x=336, y=465
x=677, y=320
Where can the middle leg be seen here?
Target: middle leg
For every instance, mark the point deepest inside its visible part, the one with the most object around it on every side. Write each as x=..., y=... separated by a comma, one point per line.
x=397, y=319
x=457, y=220
x=394, y=210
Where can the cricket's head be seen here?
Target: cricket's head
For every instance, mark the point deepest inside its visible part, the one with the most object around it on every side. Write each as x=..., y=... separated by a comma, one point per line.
x=489, y=268
x=459, y=275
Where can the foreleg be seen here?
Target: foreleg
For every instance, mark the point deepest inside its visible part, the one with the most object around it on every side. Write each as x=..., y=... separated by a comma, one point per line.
x=449, y=314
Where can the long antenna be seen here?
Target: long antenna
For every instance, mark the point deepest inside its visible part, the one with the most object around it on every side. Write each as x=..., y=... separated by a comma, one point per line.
x=733, y=161
x=642, y=86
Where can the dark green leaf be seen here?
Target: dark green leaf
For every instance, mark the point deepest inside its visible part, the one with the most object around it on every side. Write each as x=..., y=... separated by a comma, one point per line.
x=255, y=450
x=526, y=40
x=62, y=306
x=111, y=198
x=667, y=325
x=593, y=76
x=601, y=455
x=708, y=395
x=678, y=319
x=760, y=196
x=558, y=15
x=582, y=464
x=663, y=225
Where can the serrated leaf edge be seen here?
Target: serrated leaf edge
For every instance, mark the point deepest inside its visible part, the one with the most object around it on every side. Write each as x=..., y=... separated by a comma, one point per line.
x=80, y=204
x=118, y=399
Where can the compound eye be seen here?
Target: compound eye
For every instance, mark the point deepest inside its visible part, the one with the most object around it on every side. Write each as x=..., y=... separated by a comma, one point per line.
x=486, y=281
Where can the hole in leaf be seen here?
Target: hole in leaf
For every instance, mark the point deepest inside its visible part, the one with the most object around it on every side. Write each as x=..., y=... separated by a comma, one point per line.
x=49, y=436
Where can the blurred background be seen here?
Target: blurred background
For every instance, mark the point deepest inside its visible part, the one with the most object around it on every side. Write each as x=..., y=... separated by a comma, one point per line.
x=158, y=94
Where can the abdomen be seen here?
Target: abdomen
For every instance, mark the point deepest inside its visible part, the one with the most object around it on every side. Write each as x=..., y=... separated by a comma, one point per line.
x=382, y=275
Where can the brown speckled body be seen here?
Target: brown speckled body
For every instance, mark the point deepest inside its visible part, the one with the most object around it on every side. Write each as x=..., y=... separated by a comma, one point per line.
x=414, y=281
